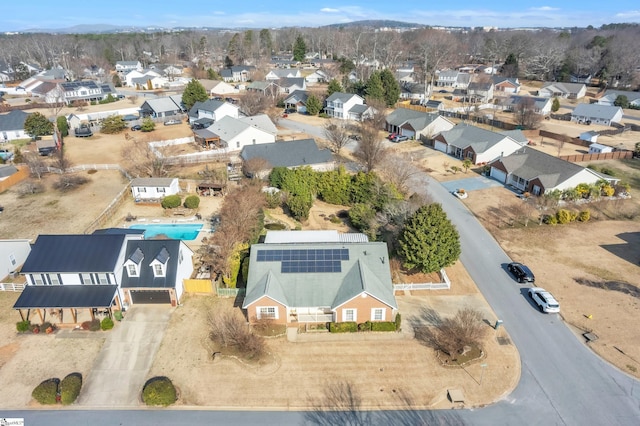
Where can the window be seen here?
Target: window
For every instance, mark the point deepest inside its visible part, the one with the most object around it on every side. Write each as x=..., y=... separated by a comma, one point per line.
x=160, y=190
x=37, y=279
x=12, y=259
x=180, y=257
x=142, y=189
x=102, y=279
x=54, y=279
x=349, y=315
x=377, y=314
x=238, y=144
x=267, y=312
x=132, y=270
x=158, y=270
x=86, y=279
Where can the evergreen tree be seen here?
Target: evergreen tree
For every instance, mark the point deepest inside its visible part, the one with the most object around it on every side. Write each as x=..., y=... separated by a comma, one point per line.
x=63, y=126
x=113, y=124
x=391, y=87
x=334, y=86
x=314, y=105
x=266, y=43
x=194, y=92
x=374, y=88
x=37, y=125
x=429, y=241
x=147, y=125
x=622, y=101
x=555, y=105
x=299, y=49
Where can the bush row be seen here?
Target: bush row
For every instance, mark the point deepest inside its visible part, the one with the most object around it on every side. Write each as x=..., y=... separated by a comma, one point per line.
x=352, y=327
x=25, y=326
x=564, y=216
x=173, y=201
x=52, y=391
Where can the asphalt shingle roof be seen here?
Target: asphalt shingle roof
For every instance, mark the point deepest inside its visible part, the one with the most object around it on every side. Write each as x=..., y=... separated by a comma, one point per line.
x=288, y=154
x=465, y=135
x=155, y=182
x=606, y=112
x=13, y=120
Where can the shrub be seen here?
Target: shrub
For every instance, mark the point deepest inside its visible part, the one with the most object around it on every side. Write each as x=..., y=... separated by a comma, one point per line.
x=608, y=190
x=106, y=324
x=607, y=171
x=46, y=392
x=192, y=202
x=550, y=219
x=93, y=325
x=398, y=321
x=563, y=216
x=334, y=219
x=171, y=202
x=23, y=326
x=584, y=216
x=383, y=326
x=343, y=327
x=117, y=315
x=35, y=328
x=365, y=326
x=70, y=388
x=159, y=391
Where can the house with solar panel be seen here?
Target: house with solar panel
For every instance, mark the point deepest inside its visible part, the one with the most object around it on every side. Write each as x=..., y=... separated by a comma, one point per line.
x=319, y=276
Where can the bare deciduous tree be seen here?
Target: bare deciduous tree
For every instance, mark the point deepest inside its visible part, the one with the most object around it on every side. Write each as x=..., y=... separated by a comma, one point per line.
x=337, y=134
x=37, y=167
x=398, y=169
x=525, y=114
x=253, y=103
x=229, y=331
x=370, y=150
x=140, y=160
x=254, y=166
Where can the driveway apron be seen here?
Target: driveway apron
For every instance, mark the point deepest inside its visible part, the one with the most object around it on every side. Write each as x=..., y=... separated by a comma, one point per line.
x=121, y=368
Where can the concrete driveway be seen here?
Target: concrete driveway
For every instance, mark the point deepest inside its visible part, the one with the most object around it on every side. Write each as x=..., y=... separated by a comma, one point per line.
x=121, y=368
x=471, y=183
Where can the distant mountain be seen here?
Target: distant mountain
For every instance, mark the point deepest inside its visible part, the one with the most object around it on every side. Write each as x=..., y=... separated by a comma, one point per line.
x=376, y=23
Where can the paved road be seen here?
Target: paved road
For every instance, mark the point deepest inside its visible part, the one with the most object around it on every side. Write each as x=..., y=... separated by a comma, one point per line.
x=121, y=368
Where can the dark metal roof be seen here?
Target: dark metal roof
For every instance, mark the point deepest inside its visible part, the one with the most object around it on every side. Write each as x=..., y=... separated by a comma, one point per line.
x=152, y=250
x=74, y=253
x=66, y=296
x=137, y=256
x=119, y=231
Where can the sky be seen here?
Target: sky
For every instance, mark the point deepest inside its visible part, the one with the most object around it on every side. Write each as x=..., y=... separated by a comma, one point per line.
x=16, y=15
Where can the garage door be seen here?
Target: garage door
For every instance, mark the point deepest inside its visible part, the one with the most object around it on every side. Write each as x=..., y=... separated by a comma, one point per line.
x=440, y=146
x=150, y=296
x=498, y=175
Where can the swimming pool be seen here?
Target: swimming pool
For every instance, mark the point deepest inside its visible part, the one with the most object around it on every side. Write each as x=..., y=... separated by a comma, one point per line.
x=181, y=231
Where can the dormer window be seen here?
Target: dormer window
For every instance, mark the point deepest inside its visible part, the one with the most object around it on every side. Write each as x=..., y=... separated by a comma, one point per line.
x=132, y=270
x=133, y=263
x=159, y=263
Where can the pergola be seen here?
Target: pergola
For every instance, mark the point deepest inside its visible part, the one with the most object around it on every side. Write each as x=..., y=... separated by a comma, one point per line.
x=55, y=299
x=207, y=139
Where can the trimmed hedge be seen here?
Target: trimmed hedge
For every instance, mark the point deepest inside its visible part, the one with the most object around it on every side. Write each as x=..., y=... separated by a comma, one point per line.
x=159, y=391
x=70, y=388
x=23, y=326
x=46, y=392
x=171, y=202
x=343, y=327
x=398, y=321
x=383, y=326
x=106, y=324
x=192, y=202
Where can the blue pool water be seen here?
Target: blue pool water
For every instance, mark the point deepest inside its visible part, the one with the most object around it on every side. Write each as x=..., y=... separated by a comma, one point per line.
x=181, y=231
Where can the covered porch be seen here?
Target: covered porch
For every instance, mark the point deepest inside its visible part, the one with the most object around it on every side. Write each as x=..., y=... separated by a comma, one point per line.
x=67, y=306
x=310, y=315
x=207, y=139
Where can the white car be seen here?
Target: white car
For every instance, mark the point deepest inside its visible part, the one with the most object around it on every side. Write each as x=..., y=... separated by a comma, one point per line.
x=545, y=301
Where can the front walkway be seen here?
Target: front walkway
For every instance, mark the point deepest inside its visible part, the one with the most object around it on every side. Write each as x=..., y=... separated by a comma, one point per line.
x=121, y=368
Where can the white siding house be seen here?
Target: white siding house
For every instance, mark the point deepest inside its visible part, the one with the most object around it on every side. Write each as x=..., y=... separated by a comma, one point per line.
x=154, y=188
x=13, y=254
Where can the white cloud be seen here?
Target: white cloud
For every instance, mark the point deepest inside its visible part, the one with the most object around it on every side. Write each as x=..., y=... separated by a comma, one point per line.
x=630, y=14
x=544, y=8
x=329, y=10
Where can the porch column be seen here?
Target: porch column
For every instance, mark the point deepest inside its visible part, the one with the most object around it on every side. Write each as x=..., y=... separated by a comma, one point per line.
x=21, y=314
x=74, y=314
x=40, y=315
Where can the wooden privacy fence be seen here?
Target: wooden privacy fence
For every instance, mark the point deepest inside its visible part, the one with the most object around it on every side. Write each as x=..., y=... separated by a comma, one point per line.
x=20, y=175
x=593, y=157
x=198, y=286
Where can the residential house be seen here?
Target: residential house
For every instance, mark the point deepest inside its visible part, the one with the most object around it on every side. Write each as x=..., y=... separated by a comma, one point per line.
x=454, y=79
x=580, y=78
x=13, y=254
x=167, y=70
x=610, y=97
x=290, y=154
x=596, y=114
x=166, y=106
x=508, y=85
x=289, y=85
x=540, y=105
x=589, y=136
x=213, y=110
x=339, y=105
x=154, y=271
x=139, y=79
x=266, y=88
x=596, y=148
x=433, y=105
x=319, y=276
x=317, y=76
x=413, y=91
x=556, y=89
x=237, y=73
x=405, y=75
x=481, y=146
x=297, y=100
x=278, y=73
x=12, y=126
x=218, y=88
x=533, y=171
x=123, y=67
x=516, y=135
x=416, y=124
x=153, y=189
x=233, y=134
x=83, y=90
x=480, y=91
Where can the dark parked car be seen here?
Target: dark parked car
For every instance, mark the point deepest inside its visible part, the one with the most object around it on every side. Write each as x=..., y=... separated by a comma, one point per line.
x=83, y=132
x=136, y=127
x=521, y=272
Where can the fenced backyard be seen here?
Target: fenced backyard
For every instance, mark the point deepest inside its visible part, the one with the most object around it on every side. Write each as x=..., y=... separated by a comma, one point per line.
x=444, y=285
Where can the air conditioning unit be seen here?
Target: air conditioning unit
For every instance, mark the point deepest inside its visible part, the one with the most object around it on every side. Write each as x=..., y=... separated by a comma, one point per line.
x=13, y=274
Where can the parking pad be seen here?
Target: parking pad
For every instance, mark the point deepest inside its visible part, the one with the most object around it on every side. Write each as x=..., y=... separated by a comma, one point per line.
x=471, y=184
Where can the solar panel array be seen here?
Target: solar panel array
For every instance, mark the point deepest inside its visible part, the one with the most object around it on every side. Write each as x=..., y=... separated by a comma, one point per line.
x=305, y=260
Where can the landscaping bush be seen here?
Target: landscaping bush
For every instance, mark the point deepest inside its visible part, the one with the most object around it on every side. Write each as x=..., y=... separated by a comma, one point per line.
x=192, y=202
x=159, y=391
x=106, y=324
x=46, y=392
x=117, y=315
x=35, y=328
x=550, y=219
x=48, y=327
x=23, y=326
x=365, y=326
x=584, y=216
x=334, y=219
x=383, y=326
x=171, y=202
x=343, y=327
x=563, y=216
x=398, y=321
x=70, y=388
x=93, y=325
